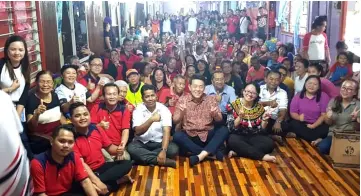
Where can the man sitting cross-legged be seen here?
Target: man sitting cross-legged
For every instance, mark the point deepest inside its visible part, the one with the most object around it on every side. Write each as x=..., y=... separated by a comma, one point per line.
x=197, y=112
x=90, y=140
x=59, y=170
x=152, y=122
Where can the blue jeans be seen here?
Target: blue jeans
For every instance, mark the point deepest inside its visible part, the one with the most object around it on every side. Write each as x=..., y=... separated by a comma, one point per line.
x=325, y=145
x=215, y=139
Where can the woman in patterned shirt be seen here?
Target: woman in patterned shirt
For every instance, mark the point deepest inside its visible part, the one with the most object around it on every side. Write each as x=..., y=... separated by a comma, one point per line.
x=247, y=120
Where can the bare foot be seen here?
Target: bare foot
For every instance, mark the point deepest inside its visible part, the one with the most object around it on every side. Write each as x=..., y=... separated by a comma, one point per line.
x=125, y=180
x=232, y=154
x=269, y=158
x=291, y=135
x=315, y=143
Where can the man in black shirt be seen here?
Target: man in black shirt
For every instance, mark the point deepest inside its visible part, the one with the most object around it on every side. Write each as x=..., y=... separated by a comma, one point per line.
x=230, y=79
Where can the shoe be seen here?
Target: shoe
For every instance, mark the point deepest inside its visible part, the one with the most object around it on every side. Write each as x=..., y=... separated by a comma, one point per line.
x=170, y=163
x=219, y=155
x=193, y=160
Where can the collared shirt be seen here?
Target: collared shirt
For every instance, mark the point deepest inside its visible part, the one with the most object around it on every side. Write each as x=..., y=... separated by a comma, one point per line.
x=129, y=60
x=89, y=146
x=167, y=94
x=52, y=178
x=310, y=108
x=155, y=132
x=279, y=95
x=343, y=121
x=118, y=119
x=228, y=96
x=198, y=118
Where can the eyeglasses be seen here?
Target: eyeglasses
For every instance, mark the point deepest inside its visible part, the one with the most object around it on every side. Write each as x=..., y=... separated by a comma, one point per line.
x=49, y=82
x=251, y=93
x=97, y=65
x=349, y=90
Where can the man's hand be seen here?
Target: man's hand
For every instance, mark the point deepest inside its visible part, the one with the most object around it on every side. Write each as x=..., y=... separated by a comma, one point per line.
x=171, y=102
x=155, y=117
x=75, y=99
x=91, y=85
x=219, y=98
x=104, y=124
x=277, y=127
x=161, y=157
x=100, y=187
x=273, y=104
x=41, y=108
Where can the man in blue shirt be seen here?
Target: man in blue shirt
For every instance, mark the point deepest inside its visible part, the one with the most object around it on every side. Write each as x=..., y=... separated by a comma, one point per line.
x=225, y=94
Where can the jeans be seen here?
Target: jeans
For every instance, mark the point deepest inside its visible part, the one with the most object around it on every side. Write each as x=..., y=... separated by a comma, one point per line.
x=325, y=145
x=195, y=146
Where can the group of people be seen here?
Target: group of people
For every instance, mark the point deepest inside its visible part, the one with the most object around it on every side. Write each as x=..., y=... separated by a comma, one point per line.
x=84, y=131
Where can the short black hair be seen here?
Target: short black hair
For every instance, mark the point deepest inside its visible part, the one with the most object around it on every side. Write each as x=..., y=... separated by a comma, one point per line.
x=273, y=71
x=43, y=72
x=255, y=57
x=127, y=40
x=197, y=77
x=147, y=87
x=92, y=57
x=109, y=85
x=179, y=76
x=341, y=45
x=318, y=67
x=66, y=127
x=305, y=62
x=286, y=59
x=282, y=67
x=217, y=72
x=225, y=62
x=65, y=67
x=74, y=106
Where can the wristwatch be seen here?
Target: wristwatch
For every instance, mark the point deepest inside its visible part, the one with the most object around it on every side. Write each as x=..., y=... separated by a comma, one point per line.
x=279, y=121
x=164, y=149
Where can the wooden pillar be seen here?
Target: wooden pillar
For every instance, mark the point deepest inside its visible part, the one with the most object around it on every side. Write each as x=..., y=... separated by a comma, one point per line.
x=343, y=20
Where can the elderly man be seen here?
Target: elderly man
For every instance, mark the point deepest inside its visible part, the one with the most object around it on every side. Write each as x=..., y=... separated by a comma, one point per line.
x=224, y=94
x=152, y=123
x=197, y=113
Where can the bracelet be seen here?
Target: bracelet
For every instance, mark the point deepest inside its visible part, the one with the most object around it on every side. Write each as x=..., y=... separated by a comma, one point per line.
x=264, y=120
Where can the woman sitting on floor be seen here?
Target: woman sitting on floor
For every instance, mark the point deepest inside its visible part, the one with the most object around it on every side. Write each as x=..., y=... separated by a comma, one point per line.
x=343, y=114
x=308, y=109
x=43, y=113
x=247, y=122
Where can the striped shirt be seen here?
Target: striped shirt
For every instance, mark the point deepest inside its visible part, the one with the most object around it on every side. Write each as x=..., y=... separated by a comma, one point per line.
x=14, y=164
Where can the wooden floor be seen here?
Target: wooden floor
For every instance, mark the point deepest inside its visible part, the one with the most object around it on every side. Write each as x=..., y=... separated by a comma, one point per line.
x=300, y=170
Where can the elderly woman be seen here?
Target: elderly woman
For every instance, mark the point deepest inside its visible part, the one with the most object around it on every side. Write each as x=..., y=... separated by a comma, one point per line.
x=43, y=113
x=343, y=114
x=308, y=109
x=247, y=123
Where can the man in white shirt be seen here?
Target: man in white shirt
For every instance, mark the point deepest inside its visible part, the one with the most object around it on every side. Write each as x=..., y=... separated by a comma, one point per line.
x=152, y=122
x=244, y=22
x=166, y=24
x=14, y=164
x=273, y=98
x=192, y=23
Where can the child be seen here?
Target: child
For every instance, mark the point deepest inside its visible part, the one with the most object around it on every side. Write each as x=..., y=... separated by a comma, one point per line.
x=341, y=70
x=273, y=62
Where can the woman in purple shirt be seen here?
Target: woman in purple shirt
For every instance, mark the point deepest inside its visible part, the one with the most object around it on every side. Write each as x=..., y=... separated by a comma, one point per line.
x=308, y=109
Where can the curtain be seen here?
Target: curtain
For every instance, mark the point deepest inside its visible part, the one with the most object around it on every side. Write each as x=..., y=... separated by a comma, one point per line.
x=298, y=7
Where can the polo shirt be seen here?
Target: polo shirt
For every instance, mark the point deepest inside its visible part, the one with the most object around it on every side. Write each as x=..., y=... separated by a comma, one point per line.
x=135, y=97
x=118, y=119
x=89, y=146
x=279, y=95
x=84, y=82
x=342, y=121
x=309, y=107
x=255, y=75
x=167, y=94
x=52, y=178
x=129, y=60
x=65, y=94
x=155, y=132
x=228, y=96
x=299, y=83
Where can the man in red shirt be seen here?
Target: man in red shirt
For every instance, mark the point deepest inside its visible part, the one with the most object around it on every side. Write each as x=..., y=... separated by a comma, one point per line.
x=169, y=97
x=91, y=139
x=55, y=171
x=113, y=117
x=127, y=56
x=232, y=24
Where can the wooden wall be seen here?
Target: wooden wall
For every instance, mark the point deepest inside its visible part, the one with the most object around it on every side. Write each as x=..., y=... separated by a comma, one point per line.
x=95, y=18
x=48, y=19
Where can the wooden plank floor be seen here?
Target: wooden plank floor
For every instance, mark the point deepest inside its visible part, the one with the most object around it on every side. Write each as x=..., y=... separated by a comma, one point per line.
x=299, y=170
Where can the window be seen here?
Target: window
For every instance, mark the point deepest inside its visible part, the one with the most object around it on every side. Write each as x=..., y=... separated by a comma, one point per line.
x=290, y=14
x=19, y=17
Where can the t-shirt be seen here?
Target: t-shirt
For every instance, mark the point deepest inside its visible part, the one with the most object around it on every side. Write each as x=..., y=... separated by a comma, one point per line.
x=192, y=24
x=166, y=26
x=237, y=83
x=289, y=83
x=65, y=94
x=329, y=88
x=48, y=120
x=339, y=71
x=255, y=75
x=315, y=45
x=14, y=164
x=111, y=38
x=299, y=83
x=232, y=23
x=244, y=22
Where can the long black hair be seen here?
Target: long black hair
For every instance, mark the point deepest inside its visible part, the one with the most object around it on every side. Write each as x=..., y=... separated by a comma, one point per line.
x=338, y=100
x=319, y=90
x=25, y=65
x=152, y=77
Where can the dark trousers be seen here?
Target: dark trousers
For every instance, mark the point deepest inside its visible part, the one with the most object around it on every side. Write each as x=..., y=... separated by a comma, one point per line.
x=110, y=172
x=284, y=127
x=38, y=144
x=195, y=146
x=325, y=145
x=147, y=153
x=251, y=146
x=302, y=131
x=25, y=140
